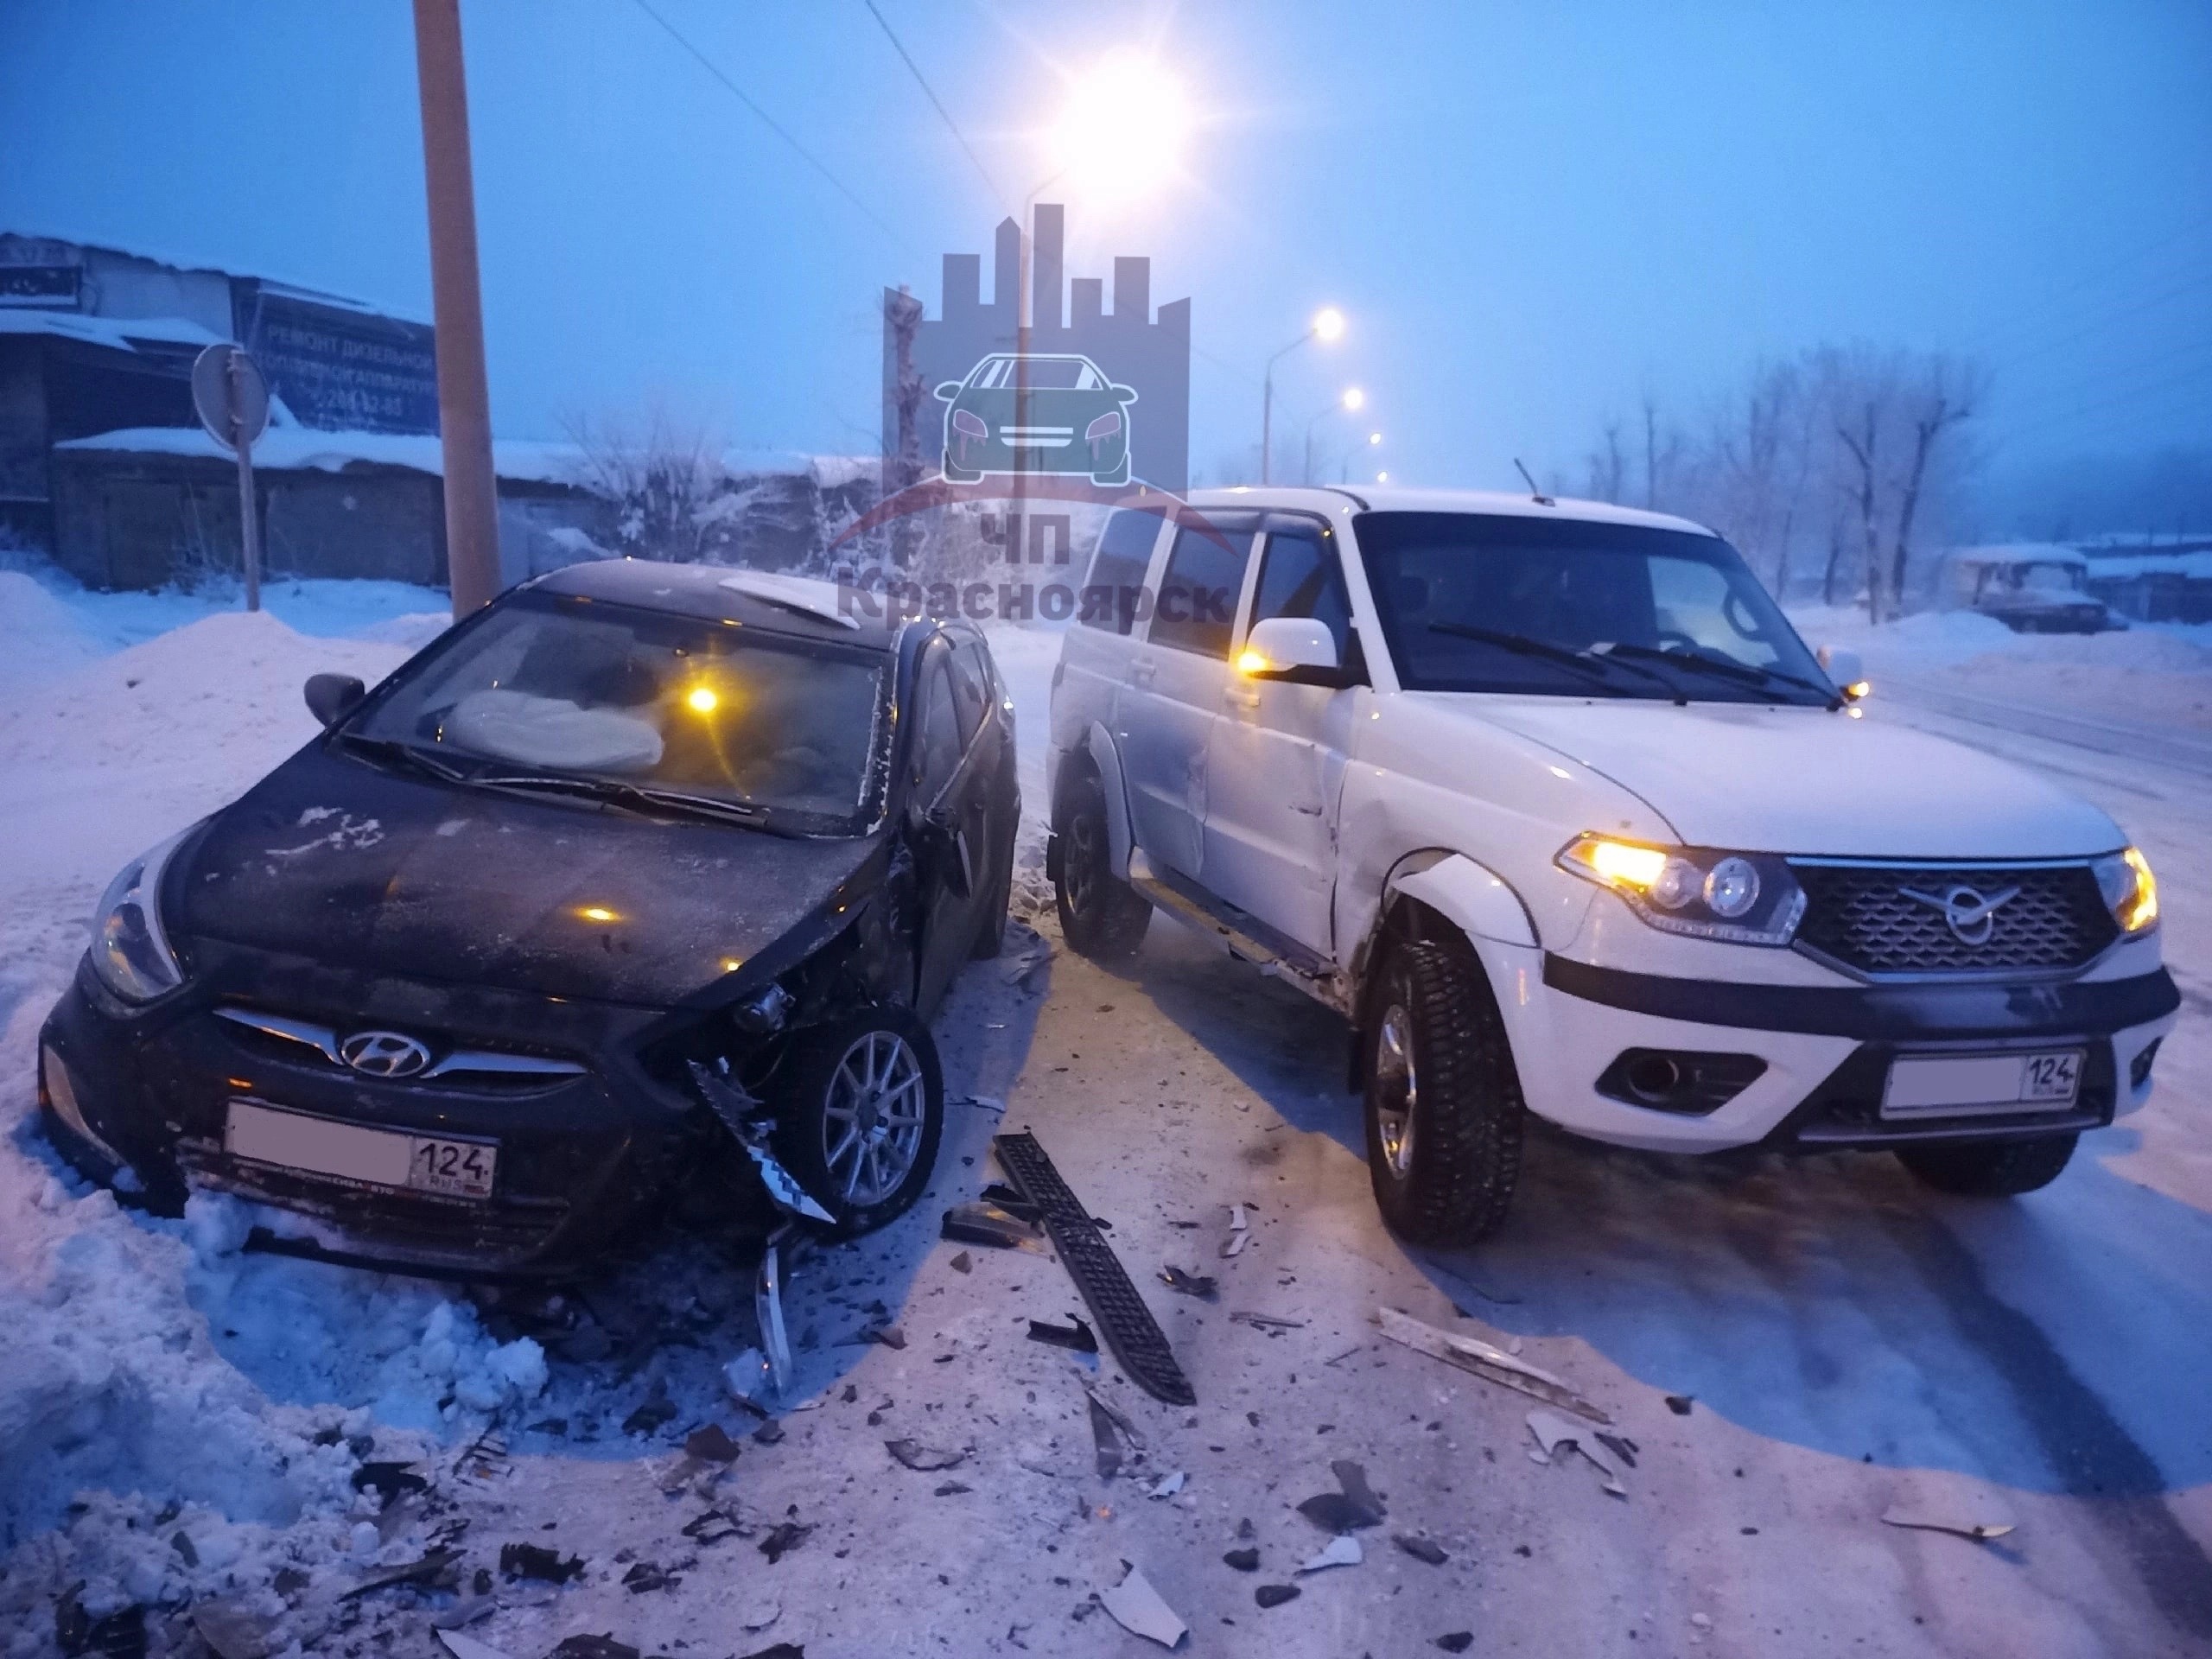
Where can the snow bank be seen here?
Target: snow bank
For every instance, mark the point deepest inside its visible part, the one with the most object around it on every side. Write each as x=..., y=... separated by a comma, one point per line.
x=40, y=637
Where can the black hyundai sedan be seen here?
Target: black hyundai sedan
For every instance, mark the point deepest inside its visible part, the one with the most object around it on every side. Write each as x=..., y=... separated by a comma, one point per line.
x=644, y=878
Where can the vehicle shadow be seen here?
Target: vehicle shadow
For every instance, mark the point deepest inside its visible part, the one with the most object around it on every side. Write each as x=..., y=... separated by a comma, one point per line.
x=2053, y=1342
x=635, y=1350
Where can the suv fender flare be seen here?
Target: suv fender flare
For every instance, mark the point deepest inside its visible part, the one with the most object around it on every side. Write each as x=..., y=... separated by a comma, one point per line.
x=1475, y=899
x=1098, y=746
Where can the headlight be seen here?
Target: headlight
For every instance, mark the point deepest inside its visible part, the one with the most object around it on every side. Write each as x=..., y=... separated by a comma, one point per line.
x=2130, y=889
x=1745, y=897
x=130, y=950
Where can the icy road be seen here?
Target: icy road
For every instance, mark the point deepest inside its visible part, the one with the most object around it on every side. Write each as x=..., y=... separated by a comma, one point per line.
x=1839, y=1342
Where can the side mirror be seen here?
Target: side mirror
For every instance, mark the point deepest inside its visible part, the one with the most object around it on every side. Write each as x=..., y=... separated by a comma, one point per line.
x=1294, y=648
x=1846, y=670
x=331, y=697
x=947, y=390
x=1124, y=394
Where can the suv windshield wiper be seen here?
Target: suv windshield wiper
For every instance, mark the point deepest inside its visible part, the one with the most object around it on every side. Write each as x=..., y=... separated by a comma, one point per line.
x=635, y=796
x=1725, y=667
x=406, y=754
x=1593, y=667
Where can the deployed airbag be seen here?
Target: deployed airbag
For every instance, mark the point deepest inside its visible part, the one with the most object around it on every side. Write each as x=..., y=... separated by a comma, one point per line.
x=551, y=732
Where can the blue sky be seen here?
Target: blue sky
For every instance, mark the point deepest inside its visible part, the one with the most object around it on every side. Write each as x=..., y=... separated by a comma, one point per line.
x=1533, y=215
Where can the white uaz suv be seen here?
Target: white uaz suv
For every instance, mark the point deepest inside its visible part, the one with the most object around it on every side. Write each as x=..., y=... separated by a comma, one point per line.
x=1548, y=800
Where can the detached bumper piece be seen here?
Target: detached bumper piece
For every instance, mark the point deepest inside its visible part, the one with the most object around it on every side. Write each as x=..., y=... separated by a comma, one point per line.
x=1130, y=1330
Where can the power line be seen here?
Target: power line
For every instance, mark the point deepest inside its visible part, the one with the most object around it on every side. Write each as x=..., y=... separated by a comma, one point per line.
x=773, y=125
x=936, y=102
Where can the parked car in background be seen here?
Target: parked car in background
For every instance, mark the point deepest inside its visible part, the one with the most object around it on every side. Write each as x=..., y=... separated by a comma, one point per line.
x=1550, y=803
x=2033, y=587
x=644, y=880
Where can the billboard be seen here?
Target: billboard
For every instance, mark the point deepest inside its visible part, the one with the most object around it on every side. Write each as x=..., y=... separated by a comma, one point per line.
x=337, y=367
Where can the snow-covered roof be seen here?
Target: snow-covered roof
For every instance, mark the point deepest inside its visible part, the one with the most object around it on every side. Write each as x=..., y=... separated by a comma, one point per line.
x=2018, y=553
x=300, y=448
x=2197, y=566
x=304, y=290
x=827, y=472
x=116, y=333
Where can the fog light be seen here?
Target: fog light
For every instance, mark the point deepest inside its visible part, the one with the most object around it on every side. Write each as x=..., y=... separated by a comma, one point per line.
x=2138, y=1069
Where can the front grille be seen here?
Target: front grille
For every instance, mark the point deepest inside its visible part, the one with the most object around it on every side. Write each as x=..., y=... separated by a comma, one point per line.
x=1859, y=915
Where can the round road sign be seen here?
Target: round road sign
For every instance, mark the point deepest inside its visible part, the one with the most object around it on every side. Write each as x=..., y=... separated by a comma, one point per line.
x=229, y=396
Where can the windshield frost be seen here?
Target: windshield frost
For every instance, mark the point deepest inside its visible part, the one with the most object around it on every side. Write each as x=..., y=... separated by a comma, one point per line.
x=1483, y=603
x=670, y=703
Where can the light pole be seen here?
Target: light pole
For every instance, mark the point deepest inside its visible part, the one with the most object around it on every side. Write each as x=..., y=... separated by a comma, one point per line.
x=1328, y=325
x=1351, y=402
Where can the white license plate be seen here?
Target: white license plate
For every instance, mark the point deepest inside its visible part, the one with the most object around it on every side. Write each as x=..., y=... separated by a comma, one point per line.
x=349, y=1151
x=1927, y=1085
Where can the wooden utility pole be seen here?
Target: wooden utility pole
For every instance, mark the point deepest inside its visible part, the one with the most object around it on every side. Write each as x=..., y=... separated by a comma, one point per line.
x=464, y=399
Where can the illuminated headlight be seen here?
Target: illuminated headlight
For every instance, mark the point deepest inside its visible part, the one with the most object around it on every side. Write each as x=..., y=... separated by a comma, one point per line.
x=1744, y=898
x=131, y=949
x=2130, y=889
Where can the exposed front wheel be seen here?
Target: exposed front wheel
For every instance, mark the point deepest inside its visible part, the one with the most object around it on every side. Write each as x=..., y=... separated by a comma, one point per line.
x=1993, y=1169
x=860, y=1116
x=1443, y=1099
x=1102, y=916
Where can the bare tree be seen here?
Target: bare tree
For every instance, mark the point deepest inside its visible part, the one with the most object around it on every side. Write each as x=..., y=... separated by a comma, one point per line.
x=1609, y=467
x=1950, y=394
x=664, y=475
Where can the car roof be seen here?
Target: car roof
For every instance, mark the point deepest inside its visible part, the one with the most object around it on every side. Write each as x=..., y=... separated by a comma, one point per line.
x=701, y=590
x=1391, y=497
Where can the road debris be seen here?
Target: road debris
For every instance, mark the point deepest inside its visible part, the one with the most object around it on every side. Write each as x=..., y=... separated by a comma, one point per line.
x=783, y=1538
x=710, y=1443
x=890, y=1336
x=467, y=1646
x=987, y=1224
x=592, y=1647
x=1353, y=1506
x=1266, y=1322
x=1480, y=1358
x=1235, y=1243
x=521, y=1560
x=649, y=1575
x=434, y=1568
x=467, y=1610
x=1552, y=1431
x=1167, y=1485
x=230, y=1630
x=1343, y=1550
x=982, y=1102
x=389, y=1480
x=1130, y=1330
x=781, y=1650
x=1352, y=1477
x=1274, y=1595
x=1457, y=1642
x=1078, y=1337
x=1244, y=1560
x=1105, y=1434
x=1136, y=1607
x=963, y=1262
x=1679, y=1403
x=746, y=1377
x=1921, y=1519
x=768, y=1434
x=712, y=1526
x=1190, y=1284
x=1421, y=1549
x=927, y=1459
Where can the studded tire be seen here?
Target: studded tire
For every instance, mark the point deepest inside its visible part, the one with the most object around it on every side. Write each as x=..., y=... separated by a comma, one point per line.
x=1102, y=916
x=1454, y=1183
x=1993, y=1169
x=806, y=1133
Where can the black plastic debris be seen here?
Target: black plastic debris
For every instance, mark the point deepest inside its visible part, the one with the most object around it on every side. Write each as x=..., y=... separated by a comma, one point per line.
x=650, y=1416
x=1130, y=1330
x=889, y=1335
x=1621, y=1446
x=1679, y=1403
x=713, y=1526
x=1457, y=1642
x=1421, y=1549
x=781, y=1650
x=389, y=1480
x=963, y=1262
x=1202, y=1286
x=769, y=1432
x=1107, y=1439
x=710, y=1443
x=119, y=1634
x=928, y=1460
x=436, y=1567
x=951, y=1489
x=784, y=1537
x=1244, y=1560
x=1352, y=1477
x=648, y=1575
x=592, y=1647
x=1076, y=1338
x=520, y=1560
x=990, y=1224
x=1274, y=1595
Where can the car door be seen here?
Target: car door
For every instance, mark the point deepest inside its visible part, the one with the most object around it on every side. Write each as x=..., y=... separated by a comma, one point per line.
x=950, y=848
x=1176, y=679
x=1276, y=760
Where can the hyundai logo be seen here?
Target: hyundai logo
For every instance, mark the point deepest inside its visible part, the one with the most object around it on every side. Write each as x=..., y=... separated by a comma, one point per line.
x=1969, y=914
x=384, y=1054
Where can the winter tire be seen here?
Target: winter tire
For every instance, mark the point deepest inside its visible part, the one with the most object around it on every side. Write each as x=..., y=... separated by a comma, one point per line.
x=859, y=1117
x=990, y=930
x=1102, y=916
x=1444, y=1104
x=1994, y=1169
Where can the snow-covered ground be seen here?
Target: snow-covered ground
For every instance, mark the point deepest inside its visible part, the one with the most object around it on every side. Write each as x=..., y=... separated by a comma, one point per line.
x=1851, y=1340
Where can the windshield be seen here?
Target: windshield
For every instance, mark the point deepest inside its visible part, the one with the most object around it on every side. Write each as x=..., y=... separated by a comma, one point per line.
x=2052, y=578
x=568, y=688
x=1566, y=607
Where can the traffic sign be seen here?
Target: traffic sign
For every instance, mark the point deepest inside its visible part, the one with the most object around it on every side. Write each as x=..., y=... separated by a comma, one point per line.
x=229, y=395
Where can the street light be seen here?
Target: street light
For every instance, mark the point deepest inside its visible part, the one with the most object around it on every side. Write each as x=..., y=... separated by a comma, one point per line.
x=1352, y=401
x=1328, y=328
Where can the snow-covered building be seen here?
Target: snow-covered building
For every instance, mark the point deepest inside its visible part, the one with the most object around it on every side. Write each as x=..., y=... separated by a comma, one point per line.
x=2166, y=579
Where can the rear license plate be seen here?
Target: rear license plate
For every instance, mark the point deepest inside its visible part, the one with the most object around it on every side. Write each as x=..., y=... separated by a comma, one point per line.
x=1962, y=1084
x=321, y=1146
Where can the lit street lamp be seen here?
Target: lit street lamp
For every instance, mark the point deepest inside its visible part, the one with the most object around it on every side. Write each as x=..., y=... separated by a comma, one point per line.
x=1328, y=327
